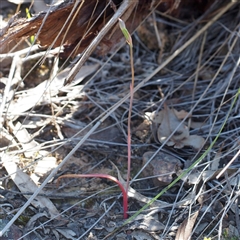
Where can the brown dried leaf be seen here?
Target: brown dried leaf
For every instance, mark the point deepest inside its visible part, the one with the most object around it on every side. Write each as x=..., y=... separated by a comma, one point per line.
x=26, y=184
x=43, y=167
x=185, y=229
x=39, y=95
x=181, y=114
x=142, y=130
x=29, y=146
x=168, y=123
x=193, y=141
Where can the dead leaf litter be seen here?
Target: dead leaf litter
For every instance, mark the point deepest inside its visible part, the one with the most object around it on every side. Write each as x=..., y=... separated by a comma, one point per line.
x=177, y=115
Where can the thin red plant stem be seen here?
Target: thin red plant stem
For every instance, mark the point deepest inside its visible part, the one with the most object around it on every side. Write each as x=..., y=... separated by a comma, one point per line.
x=129, y=137
x=129, y=115
x=100, y=175
x=130, y=43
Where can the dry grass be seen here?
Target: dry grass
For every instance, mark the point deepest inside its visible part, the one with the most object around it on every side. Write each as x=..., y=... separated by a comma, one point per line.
x=55, y=123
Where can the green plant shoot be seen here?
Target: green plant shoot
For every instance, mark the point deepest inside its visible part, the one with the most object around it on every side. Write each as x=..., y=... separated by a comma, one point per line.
x=125, y=32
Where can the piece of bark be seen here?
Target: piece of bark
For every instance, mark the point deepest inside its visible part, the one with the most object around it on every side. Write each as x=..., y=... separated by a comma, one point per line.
x=86, y=19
